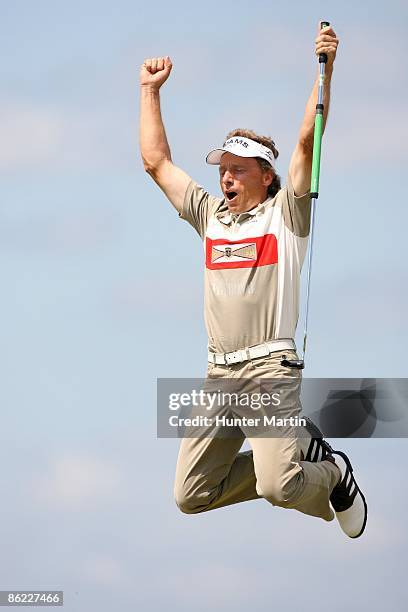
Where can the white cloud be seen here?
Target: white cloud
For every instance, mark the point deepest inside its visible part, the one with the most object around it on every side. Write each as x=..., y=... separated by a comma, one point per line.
x=62, y=232
x=38, y=137
x=77, y=483
x=30, y=136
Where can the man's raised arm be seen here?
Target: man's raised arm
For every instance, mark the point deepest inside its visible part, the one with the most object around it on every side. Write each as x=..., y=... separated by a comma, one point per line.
x=154, y=147
x=300, y=168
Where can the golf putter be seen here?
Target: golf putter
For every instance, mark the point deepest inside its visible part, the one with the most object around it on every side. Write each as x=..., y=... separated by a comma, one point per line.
x=314, y=194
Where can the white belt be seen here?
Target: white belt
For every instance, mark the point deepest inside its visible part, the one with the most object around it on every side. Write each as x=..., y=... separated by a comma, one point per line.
x=251, y=352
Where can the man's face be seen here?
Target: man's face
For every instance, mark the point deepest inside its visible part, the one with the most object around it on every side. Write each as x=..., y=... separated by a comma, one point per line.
x=243, y=182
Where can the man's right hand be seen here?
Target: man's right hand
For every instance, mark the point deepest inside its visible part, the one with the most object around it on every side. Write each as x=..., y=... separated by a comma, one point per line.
x=155, y=71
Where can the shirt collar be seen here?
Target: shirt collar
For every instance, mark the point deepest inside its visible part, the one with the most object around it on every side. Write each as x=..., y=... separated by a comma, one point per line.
x=226, y=217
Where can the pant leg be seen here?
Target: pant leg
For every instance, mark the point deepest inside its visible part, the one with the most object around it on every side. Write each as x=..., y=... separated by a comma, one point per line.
x=283, y=478
x=285, y=481
x=211, y=472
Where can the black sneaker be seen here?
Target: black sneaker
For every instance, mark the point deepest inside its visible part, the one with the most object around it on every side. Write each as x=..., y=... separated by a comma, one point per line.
x=317, y=448
x=347, y=500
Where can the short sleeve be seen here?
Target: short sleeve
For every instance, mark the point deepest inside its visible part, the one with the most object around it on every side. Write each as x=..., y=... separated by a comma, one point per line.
x=197, y=207
x=295, y=209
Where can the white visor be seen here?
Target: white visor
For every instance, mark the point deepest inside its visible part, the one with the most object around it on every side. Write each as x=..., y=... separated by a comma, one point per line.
x=243, y=147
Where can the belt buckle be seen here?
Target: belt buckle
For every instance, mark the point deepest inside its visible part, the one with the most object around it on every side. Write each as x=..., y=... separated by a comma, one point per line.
x=224, y=355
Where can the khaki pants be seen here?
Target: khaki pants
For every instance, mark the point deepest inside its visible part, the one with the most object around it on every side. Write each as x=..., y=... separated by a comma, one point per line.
x=212, y=473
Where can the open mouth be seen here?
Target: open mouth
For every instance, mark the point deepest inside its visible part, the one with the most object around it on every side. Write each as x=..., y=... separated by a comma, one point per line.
x=231, y=195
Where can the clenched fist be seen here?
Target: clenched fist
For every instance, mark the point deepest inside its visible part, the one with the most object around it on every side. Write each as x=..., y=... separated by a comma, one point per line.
x=155, y=71
x=327, y=42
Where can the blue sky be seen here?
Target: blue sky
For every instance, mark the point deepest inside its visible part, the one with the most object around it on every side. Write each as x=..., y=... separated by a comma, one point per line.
x=102, y=293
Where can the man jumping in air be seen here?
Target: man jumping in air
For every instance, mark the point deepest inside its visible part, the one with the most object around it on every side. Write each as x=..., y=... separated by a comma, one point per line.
x=255, y=240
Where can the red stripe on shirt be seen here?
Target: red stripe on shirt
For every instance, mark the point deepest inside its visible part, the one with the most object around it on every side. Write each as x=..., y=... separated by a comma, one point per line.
x=266, y=249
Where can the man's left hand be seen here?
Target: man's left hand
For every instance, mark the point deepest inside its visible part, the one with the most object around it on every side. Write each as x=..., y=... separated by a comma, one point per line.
x=327, y=42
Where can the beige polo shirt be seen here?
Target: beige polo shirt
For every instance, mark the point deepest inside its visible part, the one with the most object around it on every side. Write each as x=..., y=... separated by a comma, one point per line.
x=252, y=265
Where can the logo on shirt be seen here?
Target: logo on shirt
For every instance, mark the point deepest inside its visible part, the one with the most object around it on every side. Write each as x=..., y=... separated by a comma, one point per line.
x=233, y=252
